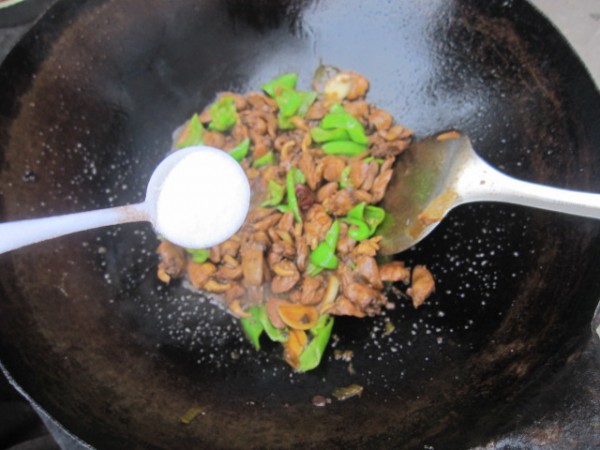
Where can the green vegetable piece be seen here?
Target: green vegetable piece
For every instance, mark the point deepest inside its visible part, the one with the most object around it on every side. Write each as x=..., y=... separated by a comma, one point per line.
x=223, y=114
x=264, y=160
x=313, y=353
x=345, y=178
x=346, y=148
x=292, y=103
x=374, y=216
x=290, y=183
x=370, y=159
x=240, y=151
x=191, y=134
x=275, y=334
x=321, y=322
x=324, y=257
x=276, y=192
x=340, y=118
x=288, y=101
x=308, y=98
x=365, y=220
x=358, y=212
x=333, y=234
x=313, y=270
x=287, y=80
x=253, y=327
x=321, y=135
x=359, y=231
x=335, y=120
x=284, y=123
x=299, y=177
x=337, y=108
x=199, y=255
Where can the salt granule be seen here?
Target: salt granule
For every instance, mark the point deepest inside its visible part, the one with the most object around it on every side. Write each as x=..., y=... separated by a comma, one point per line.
x=203, y=200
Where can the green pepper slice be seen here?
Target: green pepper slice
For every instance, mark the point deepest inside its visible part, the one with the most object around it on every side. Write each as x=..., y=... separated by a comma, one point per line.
x=321, y=135
x=240, y=151
x=313, y=353
x=223, y=114
x=291, y=179
x=275, y=334
x=253, y=326
x=288, y=101
x=287, y=80
x=191, y=134
x=199, y=255
x=264, y=160
x=276, y=192
x=340, y=118
x=345, y=148
x=359, y=231
x=323, y=256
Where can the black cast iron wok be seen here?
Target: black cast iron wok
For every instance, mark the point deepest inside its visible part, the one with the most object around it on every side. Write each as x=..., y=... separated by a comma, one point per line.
x=88, y=101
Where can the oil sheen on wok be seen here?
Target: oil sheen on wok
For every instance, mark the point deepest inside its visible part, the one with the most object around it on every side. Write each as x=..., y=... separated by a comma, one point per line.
x=319, y=162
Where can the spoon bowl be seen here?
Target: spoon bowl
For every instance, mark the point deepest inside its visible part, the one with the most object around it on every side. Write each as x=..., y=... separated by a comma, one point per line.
x=197, y=197
x=443, y=171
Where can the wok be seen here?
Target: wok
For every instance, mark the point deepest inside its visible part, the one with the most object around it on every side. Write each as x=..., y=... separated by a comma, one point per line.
x=502, y=353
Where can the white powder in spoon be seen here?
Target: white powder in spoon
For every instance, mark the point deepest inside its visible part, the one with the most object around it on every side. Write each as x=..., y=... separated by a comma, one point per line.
x=203, y=200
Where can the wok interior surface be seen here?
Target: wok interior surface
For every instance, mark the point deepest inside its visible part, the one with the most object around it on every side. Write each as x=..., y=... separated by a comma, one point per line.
x=88, y=103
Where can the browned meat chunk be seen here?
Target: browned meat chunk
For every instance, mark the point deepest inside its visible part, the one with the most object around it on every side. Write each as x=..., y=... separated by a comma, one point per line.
x=394, y=271
x=422, y=285
x=367, y=268
x=199, y=274
x=252, y=264
x=172, y=259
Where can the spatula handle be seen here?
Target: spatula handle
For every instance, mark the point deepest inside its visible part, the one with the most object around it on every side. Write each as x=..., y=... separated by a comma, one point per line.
x=486, y=183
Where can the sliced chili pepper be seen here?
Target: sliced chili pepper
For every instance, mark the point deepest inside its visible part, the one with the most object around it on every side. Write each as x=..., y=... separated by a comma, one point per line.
x=359, y=231
x=288, y=101
x=346, y=148
x=191, y=134
x=308, y=98
x=370, y=159
x=276, y=192
x=320, y=135
x=253, y=327
x=240, y=151
x=374, y=216
x=292, y=103
x=291, y=179
x=223, y=114
x=340, y=118
x=275, y=334
x=284, y=123
x=323, y=256
x=313, y=352
x=199, y=255
x=287, y=80
x=364, y=220
x=264, y=160
x=358, y=212
x=345, y=178
x=333, y=234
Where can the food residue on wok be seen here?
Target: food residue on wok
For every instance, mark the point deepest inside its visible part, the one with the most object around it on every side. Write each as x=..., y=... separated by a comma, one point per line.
x=318, y=162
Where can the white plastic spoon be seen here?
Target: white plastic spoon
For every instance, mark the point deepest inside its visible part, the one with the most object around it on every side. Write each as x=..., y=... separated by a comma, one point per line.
x=442, y=172
x=196, y=198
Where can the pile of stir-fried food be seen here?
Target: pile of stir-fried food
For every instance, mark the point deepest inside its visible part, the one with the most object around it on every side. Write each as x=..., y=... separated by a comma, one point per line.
x=318, y=163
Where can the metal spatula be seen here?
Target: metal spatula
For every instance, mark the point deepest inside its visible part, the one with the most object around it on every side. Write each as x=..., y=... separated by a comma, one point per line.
x=443, y=171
